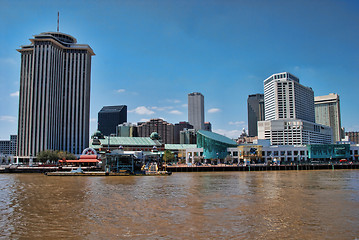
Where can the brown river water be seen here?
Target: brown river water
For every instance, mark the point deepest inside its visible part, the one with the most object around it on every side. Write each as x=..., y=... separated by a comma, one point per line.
x=221, y=205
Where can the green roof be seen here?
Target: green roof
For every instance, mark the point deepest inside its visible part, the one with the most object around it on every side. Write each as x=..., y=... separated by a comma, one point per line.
x=217, y=137
x=130, y=141
x=179, y=146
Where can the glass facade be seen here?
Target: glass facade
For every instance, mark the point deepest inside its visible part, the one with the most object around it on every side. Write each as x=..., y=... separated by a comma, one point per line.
x=329, y=151
x=214, y=145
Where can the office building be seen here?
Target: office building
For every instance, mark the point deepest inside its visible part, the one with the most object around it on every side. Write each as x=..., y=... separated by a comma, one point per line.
x=109, y=117
x=188, y=136
x=126, y=130
x=255, y=108
x=327, y=112
x=164, y=129
x=208, y=126
x=294, y=132
x=54, y=101
x=8, y=147
x=289, y=113
x=178, y=127
x=353, y=136
x=196, y=110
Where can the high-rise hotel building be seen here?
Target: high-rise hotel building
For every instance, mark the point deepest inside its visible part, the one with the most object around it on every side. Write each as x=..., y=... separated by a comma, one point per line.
x=289, y=113
x=54, y=103
x=196, y=110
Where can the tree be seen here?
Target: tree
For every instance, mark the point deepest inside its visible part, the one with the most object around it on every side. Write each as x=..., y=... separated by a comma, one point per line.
x=65, y=155
x=168, y=156
x=54, y=156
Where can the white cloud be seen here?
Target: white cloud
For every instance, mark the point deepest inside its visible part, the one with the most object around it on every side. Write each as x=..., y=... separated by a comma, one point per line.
x=14, y=94
x=144, y=120
x=234, y=134
x=8, y=118
x=162, y=108
x=173, y=100
x=214, y=110
x=93, y=120
x=142, y=110
x=237, y=123
x=184, y=105
x=120, y=90
x=176, y=112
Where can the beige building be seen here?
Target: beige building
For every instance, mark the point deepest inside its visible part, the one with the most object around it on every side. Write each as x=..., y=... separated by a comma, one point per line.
x=54, y=101
x=164, y=129
x=327, y=112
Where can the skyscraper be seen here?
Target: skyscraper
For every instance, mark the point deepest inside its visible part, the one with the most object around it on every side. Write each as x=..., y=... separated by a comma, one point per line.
x=327, y=112
x=255, y=105
x=289, y=113
x=196, y=110
x=286, y=98
x=109, y=117
x=54, y=102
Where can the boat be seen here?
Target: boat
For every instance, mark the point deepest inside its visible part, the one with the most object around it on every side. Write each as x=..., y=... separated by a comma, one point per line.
x=152, y=169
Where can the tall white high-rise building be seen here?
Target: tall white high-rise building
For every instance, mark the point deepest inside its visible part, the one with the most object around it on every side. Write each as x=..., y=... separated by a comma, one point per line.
x=327, y=112
x=286, y=98
x=289, y=113
x=54, y=102
x=196, y=110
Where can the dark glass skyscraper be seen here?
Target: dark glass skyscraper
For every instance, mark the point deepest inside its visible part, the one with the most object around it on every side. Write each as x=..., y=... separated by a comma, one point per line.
x=54, y=102
x=255, y=104
x=110, y=117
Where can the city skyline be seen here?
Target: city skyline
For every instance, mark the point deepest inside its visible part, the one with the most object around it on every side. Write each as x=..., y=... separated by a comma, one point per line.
x=150, y=55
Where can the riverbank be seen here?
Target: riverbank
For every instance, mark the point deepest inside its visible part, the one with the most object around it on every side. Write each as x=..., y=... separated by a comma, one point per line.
x=185, y=168
x=261, y=167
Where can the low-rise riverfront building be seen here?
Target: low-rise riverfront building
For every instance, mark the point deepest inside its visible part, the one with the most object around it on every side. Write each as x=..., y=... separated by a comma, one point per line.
x=214, y=145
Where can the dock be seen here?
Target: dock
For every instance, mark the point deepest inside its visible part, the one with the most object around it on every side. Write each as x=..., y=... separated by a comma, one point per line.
x=261, y=167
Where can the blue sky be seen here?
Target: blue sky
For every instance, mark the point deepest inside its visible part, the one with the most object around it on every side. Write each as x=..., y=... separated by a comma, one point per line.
x=151, y=54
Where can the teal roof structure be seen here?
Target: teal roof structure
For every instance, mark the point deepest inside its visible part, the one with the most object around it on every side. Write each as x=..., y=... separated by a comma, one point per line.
x=130, y=141
x=179, y=146
x=217, y=137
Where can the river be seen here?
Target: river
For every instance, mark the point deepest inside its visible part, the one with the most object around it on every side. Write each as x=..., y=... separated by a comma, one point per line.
x=220, y=205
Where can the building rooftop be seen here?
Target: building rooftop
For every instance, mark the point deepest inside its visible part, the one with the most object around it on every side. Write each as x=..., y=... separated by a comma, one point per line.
x=217, y=137
x=179, y=146
x=129, y=141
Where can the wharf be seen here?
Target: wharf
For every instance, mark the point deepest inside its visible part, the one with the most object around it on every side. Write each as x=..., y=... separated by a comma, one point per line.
x=85, y=174
x=39, y=169
x=261, y=167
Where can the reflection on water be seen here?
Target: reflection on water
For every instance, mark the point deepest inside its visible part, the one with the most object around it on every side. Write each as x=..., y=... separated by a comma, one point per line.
x=228, y=205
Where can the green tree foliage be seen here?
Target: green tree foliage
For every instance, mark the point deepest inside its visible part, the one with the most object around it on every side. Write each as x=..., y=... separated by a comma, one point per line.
x=54, y=156
x=66, y=155
x=168, y=156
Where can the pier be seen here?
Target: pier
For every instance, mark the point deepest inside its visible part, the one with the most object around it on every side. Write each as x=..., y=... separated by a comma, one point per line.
x=258, y=167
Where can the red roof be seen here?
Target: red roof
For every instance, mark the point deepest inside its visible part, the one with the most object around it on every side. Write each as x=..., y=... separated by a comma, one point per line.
x=80, y=161
x=88, y=157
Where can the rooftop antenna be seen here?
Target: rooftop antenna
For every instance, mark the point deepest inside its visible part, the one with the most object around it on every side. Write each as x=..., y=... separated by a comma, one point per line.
x=58, y=21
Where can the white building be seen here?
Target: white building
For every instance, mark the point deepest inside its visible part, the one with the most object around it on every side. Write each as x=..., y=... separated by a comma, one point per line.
x=286, y=98
x=294, y=132
x=290, y=114
x=54, y=102
x=327, y=112
x=196, y=110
